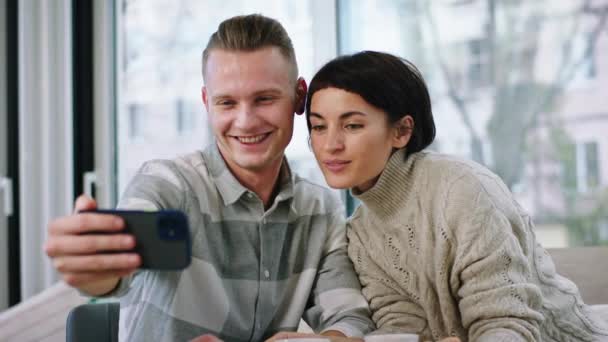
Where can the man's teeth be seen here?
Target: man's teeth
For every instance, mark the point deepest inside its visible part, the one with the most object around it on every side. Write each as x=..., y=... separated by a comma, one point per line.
x=252, y=140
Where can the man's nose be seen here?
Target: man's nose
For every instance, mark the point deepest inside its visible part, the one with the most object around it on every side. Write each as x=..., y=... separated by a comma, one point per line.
x=246, y=117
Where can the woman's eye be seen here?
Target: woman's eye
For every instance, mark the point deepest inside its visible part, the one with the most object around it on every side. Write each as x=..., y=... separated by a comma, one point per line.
x=317, y=128
x=353, y=126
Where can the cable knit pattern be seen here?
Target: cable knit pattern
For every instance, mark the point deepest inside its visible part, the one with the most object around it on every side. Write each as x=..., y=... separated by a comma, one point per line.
x=442, y=249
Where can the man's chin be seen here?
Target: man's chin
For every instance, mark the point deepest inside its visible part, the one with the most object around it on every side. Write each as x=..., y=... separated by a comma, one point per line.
x=254, y=164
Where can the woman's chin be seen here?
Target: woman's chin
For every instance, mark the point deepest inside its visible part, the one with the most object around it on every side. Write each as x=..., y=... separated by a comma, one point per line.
x=338, y=184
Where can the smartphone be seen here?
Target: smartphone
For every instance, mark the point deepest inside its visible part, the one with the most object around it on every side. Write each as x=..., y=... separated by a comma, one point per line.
x=162, y=237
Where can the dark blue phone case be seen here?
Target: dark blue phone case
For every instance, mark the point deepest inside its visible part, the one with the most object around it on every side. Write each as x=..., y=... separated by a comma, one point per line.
x=162, y=237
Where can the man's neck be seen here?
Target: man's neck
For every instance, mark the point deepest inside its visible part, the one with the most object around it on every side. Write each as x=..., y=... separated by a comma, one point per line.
x=263, y=182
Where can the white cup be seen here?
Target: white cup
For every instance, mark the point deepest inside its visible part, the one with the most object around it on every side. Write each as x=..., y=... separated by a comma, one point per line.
x=392, y=338
x=304, y=339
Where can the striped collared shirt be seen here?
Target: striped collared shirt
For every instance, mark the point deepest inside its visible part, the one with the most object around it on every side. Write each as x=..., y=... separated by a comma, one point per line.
x=254, y=272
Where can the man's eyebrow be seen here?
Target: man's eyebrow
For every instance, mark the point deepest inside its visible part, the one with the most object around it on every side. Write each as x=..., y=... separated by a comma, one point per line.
x=271, y=91
x=268, y=91
x=220, y=97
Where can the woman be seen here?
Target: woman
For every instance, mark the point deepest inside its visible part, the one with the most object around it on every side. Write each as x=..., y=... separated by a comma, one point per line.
x=439, y=243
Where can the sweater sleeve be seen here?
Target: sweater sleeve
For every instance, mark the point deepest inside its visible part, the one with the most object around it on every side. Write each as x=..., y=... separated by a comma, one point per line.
x=497, y=299
x=392, y=310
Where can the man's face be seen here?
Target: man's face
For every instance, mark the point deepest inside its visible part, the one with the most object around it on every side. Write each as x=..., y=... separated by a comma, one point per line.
x=251, y=100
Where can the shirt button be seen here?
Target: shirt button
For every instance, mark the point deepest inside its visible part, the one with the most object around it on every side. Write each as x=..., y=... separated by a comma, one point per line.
x=249, y=195
x=267, y=273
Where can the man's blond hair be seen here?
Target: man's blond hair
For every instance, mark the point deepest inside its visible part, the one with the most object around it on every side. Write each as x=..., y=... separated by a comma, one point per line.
x=250, y=33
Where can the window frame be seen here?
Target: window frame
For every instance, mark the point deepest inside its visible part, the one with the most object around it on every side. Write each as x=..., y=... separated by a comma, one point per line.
x=107, y=95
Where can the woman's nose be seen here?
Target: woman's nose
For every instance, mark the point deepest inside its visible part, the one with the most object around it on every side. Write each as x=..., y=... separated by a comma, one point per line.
x=335, y=140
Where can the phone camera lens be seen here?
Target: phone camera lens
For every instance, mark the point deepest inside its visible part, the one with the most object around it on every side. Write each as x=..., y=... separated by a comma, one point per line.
x=171, y=227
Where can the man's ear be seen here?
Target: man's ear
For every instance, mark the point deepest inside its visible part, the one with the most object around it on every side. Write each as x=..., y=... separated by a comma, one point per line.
x=403, y=131
x=204, y=97
x=301, y=88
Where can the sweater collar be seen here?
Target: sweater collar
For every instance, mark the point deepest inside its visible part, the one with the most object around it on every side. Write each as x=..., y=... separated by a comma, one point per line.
x=386, y=197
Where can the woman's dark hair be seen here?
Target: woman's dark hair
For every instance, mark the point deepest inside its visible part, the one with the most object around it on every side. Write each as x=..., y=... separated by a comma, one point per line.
x=387, y=82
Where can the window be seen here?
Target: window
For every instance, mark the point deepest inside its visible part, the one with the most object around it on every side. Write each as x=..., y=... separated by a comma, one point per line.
x=160, y=42
x=185, y=120
x=498, y=84
x=478, y=69
x=590, y=65
x=135, y=122
x=587, y=166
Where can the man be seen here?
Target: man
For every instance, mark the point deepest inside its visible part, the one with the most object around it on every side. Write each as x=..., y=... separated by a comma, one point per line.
x=268, y=246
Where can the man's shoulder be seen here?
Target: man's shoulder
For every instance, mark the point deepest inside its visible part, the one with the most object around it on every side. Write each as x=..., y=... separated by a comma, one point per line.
x=180, y=173
x=315, y=196
x=179, y=165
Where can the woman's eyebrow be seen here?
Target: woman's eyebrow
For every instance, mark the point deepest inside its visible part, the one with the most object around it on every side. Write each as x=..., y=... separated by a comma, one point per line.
x=342, y=116
x=317, y=115
x=349, y=114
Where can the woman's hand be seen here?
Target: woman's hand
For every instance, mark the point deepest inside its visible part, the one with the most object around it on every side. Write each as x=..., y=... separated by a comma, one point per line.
x=288, y=335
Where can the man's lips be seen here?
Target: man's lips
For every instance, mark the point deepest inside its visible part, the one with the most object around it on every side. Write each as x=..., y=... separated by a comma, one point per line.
x=336, y=165
x=251, y=139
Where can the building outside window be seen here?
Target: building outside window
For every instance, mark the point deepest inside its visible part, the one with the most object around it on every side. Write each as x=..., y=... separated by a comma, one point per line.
x=506, y=92
x=587, y=166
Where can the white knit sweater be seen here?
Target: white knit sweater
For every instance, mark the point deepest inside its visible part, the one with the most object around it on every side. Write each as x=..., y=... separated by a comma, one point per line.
x=442, y=249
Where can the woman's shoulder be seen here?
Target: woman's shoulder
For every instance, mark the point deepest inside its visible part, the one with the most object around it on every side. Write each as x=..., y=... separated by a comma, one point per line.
x=462, y=182
x=449, y=165
x=454, y=171
x=357, y=223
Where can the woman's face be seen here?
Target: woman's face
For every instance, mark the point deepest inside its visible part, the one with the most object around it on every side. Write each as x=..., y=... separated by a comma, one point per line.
x=351, y=139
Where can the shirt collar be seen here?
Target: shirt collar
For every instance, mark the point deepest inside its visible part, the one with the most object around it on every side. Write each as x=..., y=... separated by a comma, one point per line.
x=230, y=189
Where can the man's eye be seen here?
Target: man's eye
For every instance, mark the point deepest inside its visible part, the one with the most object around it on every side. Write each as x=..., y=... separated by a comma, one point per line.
x=225, y=103
x=265, y=99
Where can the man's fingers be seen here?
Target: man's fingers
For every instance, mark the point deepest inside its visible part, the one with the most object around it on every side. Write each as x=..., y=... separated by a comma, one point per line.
x=88, y=244
x=206, y=338
x=84, y=202
x=79, y=279
x=85, y=223
x=97, y=263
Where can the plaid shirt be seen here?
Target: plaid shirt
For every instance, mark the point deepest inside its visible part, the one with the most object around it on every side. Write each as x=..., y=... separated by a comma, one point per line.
x=254, y=272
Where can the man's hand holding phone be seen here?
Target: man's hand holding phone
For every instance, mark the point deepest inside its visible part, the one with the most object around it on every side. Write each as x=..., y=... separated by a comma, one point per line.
x=79, y=244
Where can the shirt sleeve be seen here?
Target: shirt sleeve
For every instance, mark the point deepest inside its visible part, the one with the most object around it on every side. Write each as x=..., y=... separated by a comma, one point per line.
x=157, y=185
x=392, y=311
x=337, y=302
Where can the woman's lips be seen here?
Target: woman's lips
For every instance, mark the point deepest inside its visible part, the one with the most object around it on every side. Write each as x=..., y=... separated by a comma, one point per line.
x=336, y=165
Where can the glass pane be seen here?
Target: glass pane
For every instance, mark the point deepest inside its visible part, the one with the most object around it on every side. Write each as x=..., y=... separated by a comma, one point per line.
x=520, y=89
x=161, y=114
